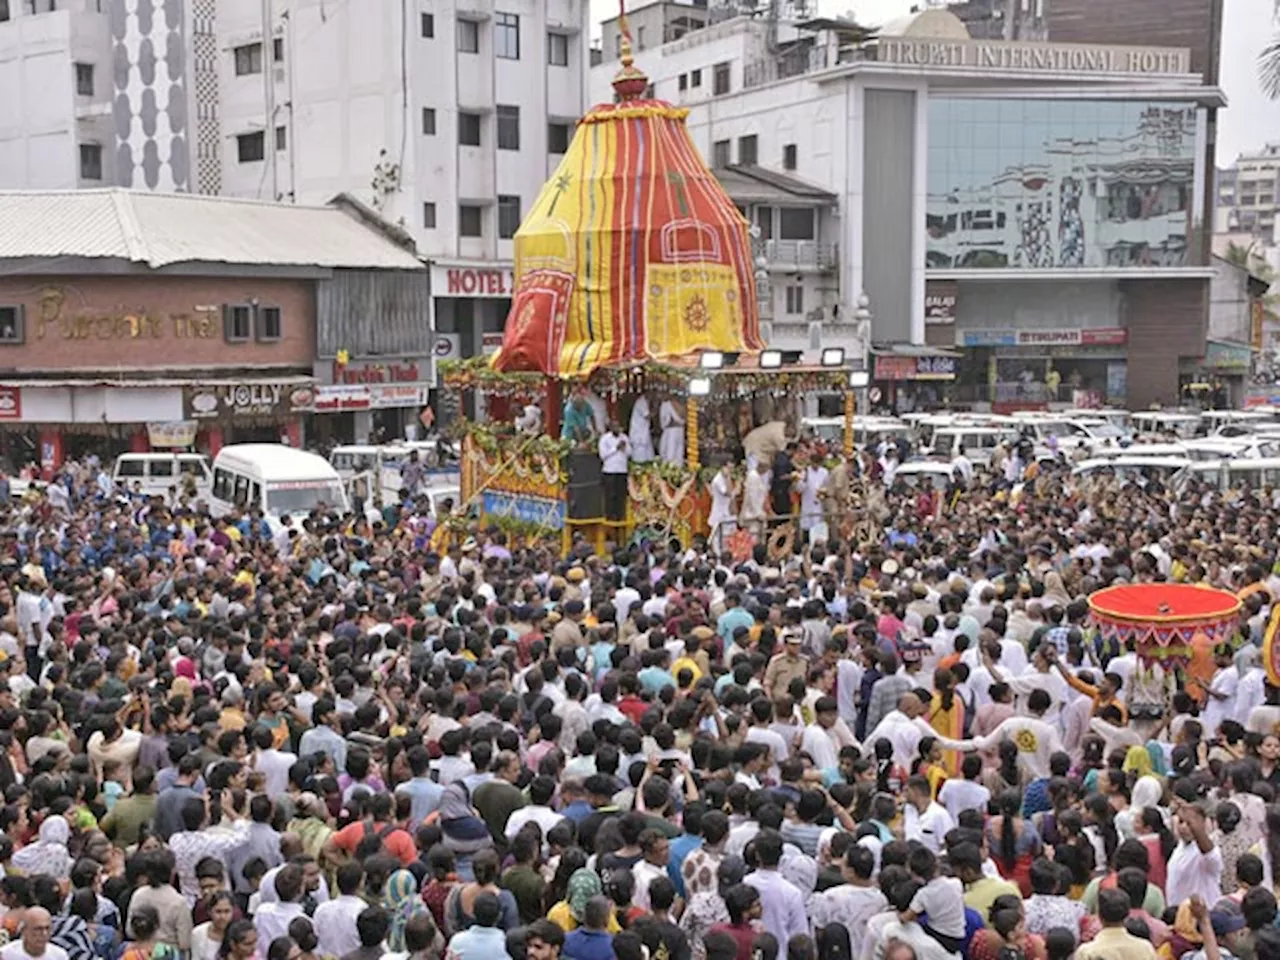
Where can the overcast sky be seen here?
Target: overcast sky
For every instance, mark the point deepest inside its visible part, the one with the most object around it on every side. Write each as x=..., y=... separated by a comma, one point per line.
x=1247, y=123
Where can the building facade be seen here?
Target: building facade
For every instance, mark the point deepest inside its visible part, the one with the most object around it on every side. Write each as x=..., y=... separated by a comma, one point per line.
x=444, y=116
x=131, y=320
x=1246, y=195
x=1021, y=207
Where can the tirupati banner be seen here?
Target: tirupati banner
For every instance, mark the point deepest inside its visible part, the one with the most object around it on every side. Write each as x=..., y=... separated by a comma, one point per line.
x=633, y=251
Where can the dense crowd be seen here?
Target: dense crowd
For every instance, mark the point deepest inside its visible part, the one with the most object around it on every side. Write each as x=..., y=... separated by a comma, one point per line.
x=363, y=739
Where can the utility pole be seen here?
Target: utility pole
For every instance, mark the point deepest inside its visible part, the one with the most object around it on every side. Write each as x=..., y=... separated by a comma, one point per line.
x=269, y=97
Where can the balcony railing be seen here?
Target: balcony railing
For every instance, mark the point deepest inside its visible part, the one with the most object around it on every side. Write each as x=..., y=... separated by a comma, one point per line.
x=797, y=62
x=801, y=254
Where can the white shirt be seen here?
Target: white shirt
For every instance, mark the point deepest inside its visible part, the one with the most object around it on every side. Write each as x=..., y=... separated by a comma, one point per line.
x=274, y=766
x=16, y=951
x=1194, y=874
x=1224, y=683
x=903, y=733
x=544, y=817
x=957, y=795
x=272, y=919
x=1035, y=739
x=335, y=924
x=819, y=744
x=614, y=453
x=929, y=827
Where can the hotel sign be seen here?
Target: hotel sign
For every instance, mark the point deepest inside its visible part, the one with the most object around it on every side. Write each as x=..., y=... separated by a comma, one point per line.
x=1082, y=58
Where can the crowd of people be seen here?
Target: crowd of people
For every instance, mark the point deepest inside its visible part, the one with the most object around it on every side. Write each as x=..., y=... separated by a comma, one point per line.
x=359, y=740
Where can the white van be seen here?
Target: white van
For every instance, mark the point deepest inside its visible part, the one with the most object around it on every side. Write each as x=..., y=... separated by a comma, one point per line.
x=1135, y=469
x=368, y=461
x=978, y=443
x=1237, y=474
x=155, y=473
x=281, y=481
x=1180, y=424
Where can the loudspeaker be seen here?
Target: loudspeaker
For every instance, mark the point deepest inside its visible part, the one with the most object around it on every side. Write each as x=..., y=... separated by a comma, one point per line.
x=586, y=489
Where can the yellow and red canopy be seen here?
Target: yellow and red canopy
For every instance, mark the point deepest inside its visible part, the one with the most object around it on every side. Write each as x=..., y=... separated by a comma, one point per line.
x=632, y=251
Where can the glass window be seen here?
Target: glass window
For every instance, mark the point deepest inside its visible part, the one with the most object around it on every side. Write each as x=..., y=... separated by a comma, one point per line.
x=508, y=127
x=508, y=216
x=470, y=221
x=506, y=36
x=749, y=150
x=468, y=36
x=1042, y=184
x=557, y=137
x=469, y=129
x=795, y=224
x=428, y=121
x=131, y=468
x=84, y=79
x=248, y=59
x=428, y=26
x=251, y=147
x=558, y=49
x=721, y=154
x=91, y=161
x=720, y=80
x=160, y=468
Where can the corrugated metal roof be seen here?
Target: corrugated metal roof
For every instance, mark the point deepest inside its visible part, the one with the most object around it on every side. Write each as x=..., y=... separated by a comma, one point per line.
x=163, y=229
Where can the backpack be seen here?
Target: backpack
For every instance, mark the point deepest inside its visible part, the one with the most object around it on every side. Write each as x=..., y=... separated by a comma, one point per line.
x=373, y=843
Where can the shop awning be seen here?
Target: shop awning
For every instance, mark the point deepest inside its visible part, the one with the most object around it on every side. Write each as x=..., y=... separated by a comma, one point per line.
x=298, y=380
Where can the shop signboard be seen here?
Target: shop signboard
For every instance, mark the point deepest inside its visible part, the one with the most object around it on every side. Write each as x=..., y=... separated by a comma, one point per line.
x=262, y=400
x=10, y=403
x=940, y=302
x=915, y=368
x=410, y=370
x=337, y=398
x=172, y=433
x=1228, y=356
x=1083, y=59
x=473, y=281
x=1047, y=337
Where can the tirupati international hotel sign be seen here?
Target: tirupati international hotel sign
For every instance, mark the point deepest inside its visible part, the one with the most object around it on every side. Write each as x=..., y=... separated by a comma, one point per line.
x=1082, y=58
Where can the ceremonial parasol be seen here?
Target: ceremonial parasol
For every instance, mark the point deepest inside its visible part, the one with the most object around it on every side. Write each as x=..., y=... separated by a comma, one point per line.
x=1163, y=618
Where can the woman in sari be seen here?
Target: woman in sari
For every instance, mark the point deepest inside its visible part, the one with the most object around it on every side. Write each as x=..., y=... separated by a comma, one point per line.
x=311, y=824
x=946, y=715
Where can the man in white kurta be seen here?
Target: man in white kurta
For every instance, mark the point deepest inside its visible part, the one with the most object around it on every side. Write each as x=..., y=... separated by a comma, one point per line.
x=640, y=433
x=755, y=499
x=721, y=519
x=815, y=478
x=671, y=444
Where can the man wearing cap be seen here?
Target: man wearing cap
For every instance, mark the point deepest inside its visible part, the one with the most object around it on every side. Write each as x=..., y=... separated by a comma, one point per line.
x=568, y=632
x=785, y=666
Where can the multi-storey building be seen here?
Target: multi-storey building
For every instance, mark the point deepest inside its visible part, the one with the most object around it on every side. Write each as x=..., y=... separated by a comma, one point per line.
x=444, y=116
x=1246, y=195
x=1008, y=208
x=56, y=127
